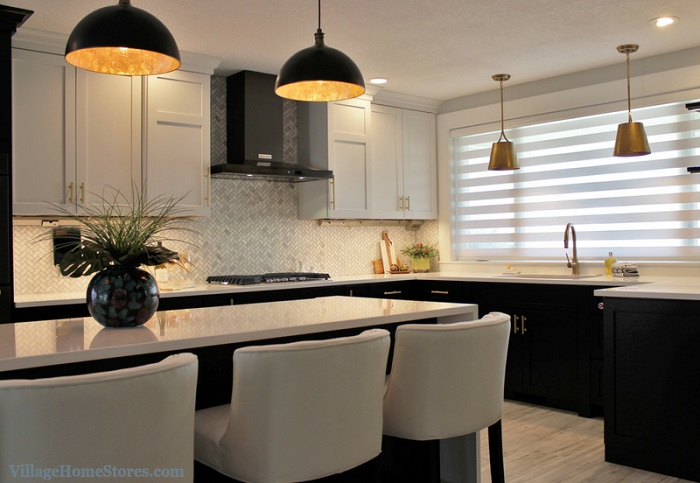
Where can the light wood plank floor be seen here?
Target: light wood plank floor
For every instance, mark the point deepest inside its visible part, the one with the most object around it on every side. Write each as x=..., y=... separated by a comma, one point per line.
x=548, y=445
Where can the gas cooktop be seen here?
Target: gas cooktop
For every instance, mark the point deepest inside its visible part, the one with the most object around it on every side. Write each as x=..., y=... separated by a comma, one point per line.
x=267, y=278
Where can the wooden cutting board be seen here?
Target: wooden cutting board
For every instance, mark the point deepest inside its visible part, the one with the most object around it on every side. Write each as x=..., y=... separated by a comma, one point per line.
x=388, y=253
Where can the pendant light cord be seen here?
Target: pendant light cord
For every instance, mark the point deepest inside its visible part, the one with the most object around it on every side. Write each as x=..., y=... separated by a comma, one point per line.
x=629, y=101
x=503, y=132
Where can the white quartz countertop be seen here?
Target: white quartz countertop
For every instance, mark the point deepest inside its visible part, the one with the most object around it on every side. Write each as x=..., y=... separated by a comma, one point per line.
x=68, y=298
x=50, y=342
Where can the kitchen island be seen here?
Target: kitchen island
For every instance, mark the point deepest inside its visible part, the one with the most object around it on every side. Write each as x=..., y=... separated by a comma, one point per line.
x=652, y=377
x=27, y=345
x=74, y=346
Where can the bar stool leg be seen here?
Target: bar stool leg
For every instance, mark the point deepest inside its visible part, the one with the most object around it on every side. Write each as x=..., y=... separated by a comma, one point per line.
x=496, y=453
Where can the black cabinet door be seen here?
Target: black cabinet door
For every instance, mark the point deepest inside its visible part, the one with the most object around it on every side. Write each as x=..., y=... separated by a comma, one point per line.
x=6, y=297
x=5, y=304
x=542, y=364
x=550, y=355
x=652, y=385
x=5, y=225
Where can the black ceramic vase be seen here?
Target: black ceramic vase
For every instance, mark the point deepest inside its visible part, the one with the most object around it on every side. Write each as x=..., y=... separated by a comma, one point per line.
x=122, y=297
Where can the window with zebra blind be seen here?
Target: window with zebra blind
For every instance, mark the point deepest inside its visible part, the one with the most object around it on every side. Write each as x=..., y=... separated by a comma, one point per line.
x=643, y=207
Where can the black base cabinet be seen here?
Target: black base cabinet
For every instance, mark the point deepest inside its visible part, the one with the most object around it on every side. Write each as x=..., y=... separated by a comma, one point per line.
x=551, y=346
x=555, y=356
x=542, y=353
x=652, y=385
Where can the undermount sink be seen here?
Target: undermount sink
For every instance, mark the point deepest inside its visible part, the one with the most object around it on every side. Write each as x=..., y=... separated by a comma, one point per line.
x=566, y=276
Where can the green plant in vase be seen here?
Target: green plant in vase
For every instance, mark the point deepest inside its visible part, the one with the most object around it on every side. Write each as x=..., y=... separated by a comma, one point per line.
x=420, y=255
x=118, y=235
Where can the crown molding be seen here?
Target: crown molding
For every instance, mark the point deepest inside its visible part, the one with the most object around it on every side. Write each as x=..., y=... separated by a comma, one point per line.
x=53, y=43
x=406, y=101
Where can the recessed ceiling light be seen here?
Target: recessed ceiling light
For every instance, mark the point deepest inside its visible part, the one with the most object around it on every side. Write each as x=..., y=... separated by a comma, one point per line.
x=663, y=21
x=378, y=81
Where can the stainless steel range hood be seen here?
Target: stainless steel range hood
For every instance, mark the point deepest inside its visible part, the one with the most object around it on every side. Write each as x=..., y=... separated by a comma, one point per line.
x=255, y=133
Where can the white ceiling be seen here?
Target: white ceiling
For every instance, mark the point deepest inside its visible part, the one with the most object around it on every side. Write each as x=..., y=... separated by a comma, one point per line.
x=439, y=49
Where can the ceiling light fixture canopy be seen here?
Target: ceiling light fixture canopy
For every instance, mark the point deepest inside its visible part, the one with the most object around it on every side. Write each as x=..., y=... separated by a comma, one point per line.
x=631, y=139
x=122, y=40
x=503, y=155
x=319, y=73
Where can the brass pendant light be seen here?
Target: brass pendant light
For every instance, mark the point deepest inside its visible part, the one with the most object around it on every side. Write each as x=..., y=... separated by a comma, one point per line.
x=503, y=155
x=319, y=73
x=631, y=139
x=122, y=40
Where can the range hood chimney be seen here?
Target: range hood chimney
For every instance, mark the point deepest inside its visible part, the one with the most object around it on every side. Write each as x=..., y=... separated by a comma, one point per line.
x=255, y=133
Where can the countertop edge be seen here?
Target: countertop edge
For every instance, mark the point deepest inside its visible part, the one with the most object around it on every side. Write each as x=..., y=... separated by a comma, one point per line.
x=684, y=288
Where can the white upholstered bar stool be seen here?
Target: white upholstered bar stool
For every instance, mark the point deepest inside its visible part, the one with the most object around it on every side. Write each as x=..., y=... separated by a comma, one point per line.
x=299, y=411
x=447, y=381
x=135, y=418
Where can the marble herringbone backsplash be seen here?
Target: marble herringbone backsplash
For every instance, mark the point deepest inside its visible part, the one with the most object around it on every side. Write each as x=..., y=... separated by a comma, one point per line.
x=253, y=229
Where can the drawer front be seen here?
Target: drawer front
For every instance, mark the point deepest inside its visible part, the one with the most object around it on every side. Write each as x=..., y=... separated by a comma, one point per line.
x=391, y=290
x=442, y=291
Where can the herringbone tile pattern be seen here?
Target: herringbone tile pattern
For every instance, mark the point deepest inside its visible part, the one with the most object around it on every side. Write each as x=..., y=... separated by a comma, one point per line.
x=253, y=229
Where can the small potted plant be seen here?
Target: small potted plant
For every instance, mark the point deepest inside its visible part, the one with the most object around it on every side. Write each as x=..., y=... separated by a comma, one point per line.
x=119, y=235
x=420, y=256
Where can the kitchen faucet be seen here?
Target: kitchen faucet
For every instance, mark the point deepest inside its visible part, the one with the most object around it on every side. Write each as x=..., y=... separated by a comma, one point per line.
x=573, y=262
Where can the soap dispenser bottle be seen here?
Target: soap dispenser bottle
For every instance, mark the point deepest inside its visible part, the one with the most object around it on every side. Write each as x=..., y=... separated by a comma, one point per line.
x=609, y=263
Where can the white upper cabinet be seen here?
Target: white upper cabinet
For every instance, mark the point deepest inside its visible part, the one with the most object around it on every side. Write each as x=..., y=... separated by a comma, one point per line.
x=336, y=136
x=404, y=164
x=43, y=130
x=177, y=155
x=78, y=135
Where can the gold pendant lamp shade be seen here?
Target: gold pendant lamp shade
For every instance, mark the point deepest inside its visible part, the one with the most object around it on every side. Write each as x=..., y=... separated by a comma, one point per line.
x=319, y=73
x=631, y=139
x=122, y=40
x=503, y=155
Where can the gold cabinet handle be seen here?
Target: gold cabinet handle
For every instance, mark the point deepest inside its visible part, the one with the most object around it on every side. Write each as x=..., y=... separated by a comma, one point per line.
x=70, y=192
x=440, y=292
x=515, y=324
x=408, y=203
x=332, y=181
x=400, y=203
x=522, y=324
x=207, y=196
x=82, y=192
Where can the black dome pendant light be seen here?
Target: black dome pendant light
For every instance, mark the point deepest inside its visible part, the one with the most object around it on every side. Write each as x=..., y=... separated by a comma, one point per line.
x=319, y=73
x=122, y=40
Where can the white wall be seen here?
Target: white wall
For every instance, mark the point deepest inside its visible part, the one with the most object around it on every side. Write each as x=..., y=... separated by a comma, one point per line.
x=655, y=80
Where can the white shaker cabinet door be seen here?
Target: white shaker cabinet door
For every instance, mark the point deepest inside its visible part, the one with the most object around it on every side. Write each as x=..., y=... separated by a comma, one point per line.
x=177, y=155
x=419, y=166
x=43, y=121
x=335, y=136
x=108, y=134
x=387, y=162
x=349, y=158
